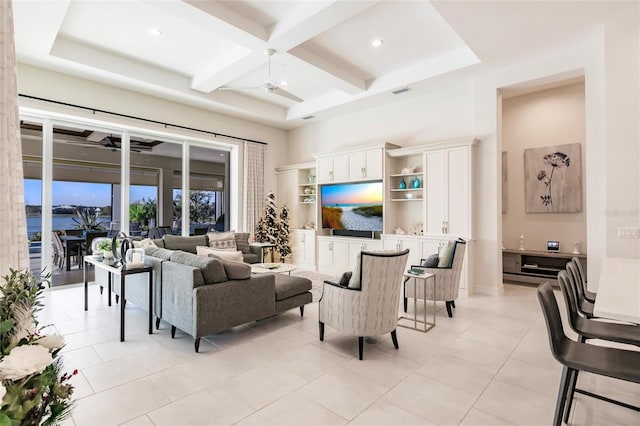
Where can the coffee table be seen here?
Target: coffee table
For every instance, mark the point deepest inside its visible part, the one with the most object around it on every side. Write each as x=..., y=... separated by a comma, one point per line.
x=280, y=268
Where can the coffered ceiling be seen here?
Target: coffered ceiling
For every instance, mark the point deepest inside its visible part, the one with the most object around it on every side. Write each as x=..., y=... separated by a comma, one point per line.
x=212, y=54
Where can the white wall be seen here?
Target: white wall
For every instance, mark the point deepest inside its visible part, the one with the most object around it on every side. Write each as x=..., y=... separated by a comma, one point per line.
x=608, y=57
x=545, y=118
x=443, y=113
x=46, y=84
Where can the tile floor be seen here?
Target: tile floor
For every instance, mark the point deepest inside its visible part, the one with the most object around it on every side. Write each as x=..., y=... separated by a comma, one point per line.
x=489, y=365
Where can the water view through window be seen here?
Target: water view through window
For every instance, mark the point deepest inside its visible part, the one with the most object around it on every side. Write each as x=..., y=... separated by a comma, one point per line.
x=69, y=197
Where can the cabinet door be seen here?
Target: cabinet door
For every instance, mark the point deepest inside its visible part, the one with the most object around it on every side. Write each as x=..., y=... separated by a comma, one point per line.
x=373, y=164
x=430, y=247
x=295, y=237
x=457, y=216
x=309, y=247
x=325, y=252
x=435, y=186
x=356, y=166
x=340, y=168
x=340, y=254
x=354, y=248
x=415, y=250
x=389, y=243
x=325, y=170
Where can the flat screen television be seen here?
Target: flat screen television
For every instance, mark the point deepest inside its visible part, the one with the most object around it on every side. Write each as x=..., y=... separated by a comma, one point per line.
x=352, y=206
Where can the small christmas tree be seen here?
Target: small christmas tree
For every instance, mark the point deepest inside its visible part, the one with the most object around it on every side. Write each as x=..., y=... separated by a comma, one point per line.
x=271, y=220
x=260, y=232
x=282, y=244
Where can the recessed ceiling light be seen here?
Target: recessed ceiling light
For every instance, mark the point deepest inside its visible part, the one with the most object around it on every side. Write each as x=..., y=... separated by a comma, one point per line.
x=284, y=83
x=156, y=32
x=377, y=42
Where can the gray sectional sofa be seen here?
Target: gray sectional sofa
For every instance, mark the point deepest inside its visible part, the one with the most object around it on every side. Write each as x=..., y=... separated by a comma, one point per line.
x=206, y=295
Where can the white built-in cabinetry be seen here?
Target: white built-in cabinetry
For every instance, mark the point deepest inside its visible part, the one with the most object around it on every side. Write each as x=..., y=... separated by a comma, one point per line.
x=432, y=206
x=353, y=166
x=338, y=254
x=297, y=189
x=303, y=247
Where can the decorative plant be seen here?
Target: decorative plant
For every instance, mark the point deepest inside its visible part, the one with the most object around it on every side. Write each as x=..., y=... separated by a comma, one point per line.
x=142, y=211
x=556, y=160
x=104, y=245
x=267, y=228
x=88, y=220
x=32, y=390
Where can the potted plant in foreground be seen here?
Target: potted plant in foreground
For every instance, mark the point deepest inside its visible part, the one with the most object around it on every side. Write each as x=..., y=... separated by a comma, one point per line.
x=32, y=389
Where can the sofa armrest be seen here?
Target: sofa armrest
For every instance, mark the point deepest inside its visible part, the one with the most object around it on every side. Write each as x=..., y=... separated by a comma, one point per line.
x=178, y=282
x=231, y=303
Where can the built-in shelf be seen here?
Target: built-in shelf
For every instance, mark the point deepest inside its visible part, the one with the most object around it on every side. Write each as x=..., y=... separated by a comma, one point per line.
x=406, y=189
x=406, y=199
x=532, y=266
x=407, y=174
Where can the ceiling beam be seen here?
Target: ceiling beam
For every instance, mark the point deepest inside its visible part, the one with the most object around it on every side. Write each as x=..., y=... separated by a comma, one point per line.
x=333, y=74
x=300, y=25
x=309, y=19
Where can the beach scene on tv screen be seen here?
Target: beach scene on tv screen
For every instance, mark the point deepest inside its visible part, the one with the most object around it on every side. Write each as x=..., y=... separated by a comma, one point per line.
x=356, y=206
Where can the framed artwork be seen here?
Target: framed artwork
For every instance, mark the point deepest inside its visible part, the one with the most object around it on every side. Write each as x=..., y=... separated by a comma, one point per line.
x=553, y=179
x=505, y=188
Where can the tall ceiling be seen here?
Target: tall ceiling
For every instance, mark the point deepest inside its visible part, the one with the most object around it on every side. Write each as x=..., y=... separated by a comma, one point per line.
x=212, y=54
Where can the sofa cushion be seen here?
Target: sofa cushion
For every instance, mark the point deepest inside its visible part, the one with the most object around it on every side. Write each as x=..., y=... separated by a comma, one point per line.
x=288, y=286
x=234, y=270
x=176, y=242
x=242, y=242
x=222, y=240
x=234, y=256
x=212, y=269
x=159, y=242
x=160, y=253
x=250, y=258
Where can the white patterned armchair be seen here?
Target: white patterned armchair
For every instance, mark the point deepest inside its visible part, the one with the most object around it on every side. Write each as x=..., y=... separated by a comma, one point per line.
x=372, y=309
x=447, y=281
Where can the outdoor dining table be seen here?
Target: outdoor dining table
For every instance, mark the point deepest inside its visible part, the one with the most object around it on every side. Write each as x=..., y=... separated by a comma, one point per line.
x=69, y=242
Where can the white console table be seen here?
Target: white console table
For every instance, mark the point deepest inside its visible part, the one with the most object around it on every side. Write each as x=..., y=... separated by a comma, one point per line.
x=122, y=272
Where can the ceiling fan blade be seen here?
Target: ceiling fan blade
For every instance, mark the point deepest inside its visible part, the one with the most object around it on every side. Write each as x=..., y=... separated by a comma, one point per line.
x=281, y=92
x=239, y=88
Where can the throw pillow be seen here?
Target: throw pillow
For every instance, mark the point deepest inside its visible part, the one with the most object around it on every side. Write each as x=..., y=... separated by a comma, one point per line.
x=345, y=278
x=160, y=253
x=211, y=269
x=431, y=261
x=222, y=240
x=234, y=270
x=234, y=256
x=446, y=255
x=188, y=244
x=148, y=242
x=242, y=242
x=354, y=281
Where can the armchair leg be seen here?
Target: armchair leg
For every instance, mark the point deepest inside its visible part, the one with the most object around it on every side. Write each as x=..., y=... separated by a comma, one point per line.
x=453, y=303
x=157, y=323
x=448, y=304
x=321, y=325
x=196, y=344
x=101, y=288
x=360, y=347
x=302, y=310
x=394, y=338
x=173, y=331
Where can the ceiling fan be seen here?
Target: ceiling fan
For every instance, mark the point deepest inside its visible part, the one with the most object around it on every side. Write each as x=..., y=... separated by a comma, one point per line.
x=268, y=86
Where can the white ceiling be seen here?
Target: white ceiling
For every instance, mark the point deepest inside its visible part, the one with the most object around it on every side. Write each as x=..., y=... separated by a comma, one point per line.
x=323, y=48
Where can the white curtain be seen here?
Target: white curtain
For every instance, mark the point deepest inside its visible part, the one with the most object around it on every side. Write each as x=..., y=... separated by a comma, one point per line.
x=254, y=154
x=14, y=251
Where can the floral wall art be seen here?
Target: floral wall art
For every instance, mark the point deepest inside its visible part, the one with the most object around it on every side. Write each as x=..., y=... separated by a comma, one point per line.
x=553, y=179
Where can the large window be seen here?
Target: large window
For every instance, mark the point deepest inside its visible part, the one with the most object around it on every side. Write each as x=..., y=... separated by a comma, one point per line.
x=72, y=167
